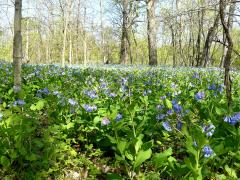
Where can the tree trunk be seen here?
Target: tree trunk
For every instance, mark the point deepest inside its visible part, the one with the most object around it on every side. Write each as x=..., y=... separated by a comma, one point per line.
x=66, y=21
x=70, y=48
x=208, y=42
x=227, y=60
x=152, y=35
x=199, y=38
x=27, y=42
x=230, y=24
x=17, y=46
x=173, y=46
x=84, y=37
x=124, y=40
x=102, y=45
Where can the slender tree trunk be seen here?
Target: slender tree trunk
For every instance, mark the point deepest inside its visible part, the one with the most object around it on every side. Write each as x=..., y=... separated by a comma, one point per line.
x=102, y=46
x=152, y=35
x=64, y=43
x=124, y=41
x=230, y=24
x=17, y=46
x=85, y=38
x=199, y=38
x=27, y=41
x=227, y=60
x=70, y=48
x=77, y=34
x=66, y=21
x=173, y=46
x=208, y=42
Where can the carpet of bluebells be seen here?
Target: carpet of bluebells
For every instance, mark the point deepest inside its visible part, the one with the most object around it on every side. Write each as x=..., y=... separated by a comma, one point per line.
x=116, y=122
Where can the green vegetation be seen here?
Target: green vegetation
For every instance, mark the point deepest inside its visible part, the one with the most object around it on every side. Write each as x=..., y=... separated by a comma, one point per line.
x=118, y=123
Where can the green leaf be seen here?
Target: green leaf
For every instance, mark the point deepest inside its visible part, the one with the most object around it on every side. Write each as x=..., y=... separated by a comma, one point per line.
x=33, y=107
x=147, y=145
x=31, y=157
x=220, y=111
x=138, y=143
x=231, y=172
x=141, y=157
x=10, y=91
x=114, y=177
x=40, y=105
x=5, y=161
x=169, y=104
x=96, y=120
x=129, y=156
x=70, y=125
x=122, y=146
x=161, y=158
x=112, y=139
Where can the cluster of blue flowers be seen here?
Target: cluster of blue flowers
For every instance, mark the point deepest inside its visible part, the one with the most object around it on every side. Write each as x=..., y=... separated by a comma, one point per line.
x=233, y=120
x=91, y=93
x=160, y=117
x=177, y=108
x=199, y=96
x=118, y=117
x=212, y=87
x=72, y=102
x=43, y=92
x=207, y=150
x=167, y=126
x=209, y=129
x=90, y=108
x=19, y=102
x=146, y=92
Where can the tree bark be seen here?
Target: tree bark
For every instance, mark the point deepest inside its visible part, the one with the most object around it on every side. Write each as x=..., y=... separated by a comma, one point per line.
x=124, y=38
x=227, y=60
x=199, y=38
x=208, y=42
x=17, y=46
x=66, y=21
x=230, y=24
x=174, y=47
x=152, y=35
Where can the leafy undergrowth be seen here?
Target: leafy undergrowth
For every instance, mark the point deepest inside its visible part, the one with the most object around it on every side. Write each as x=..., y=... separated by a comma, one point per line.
x=118, y=123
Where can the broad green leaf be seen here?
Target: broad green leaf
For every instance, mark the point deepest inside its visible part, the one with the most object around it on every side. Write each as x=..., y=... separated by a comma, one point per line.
x=33, y=107
x=112, y=139
x=122, y=146
x=160, y=158
x=129, y=156
x=5, y=161
x=70, y=125
x=231, y=172
x=112, y=176
x=138, y=143
x=40, y=105
x=220, y=111
x=142, y=156
x=169, y=104
x=96, y=120
x=31, y=157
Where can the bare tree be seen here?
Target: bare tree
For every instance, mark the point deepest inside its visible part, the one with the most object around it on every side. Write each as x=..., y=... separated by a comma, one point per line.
x=209, y=40
x=232, y=9
x=152, y=35
x=124, y=41
x=17, y=46
x=227, y=59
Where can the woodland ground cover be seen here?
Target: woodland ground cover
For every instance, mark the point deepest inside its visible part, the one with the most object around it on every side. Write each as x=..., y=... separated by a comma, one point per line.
x=118, y=122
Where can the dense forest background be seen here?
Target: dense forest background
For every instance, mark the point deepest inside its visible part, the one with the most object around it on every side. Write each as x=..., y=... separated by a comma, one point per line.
x=188, y=32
